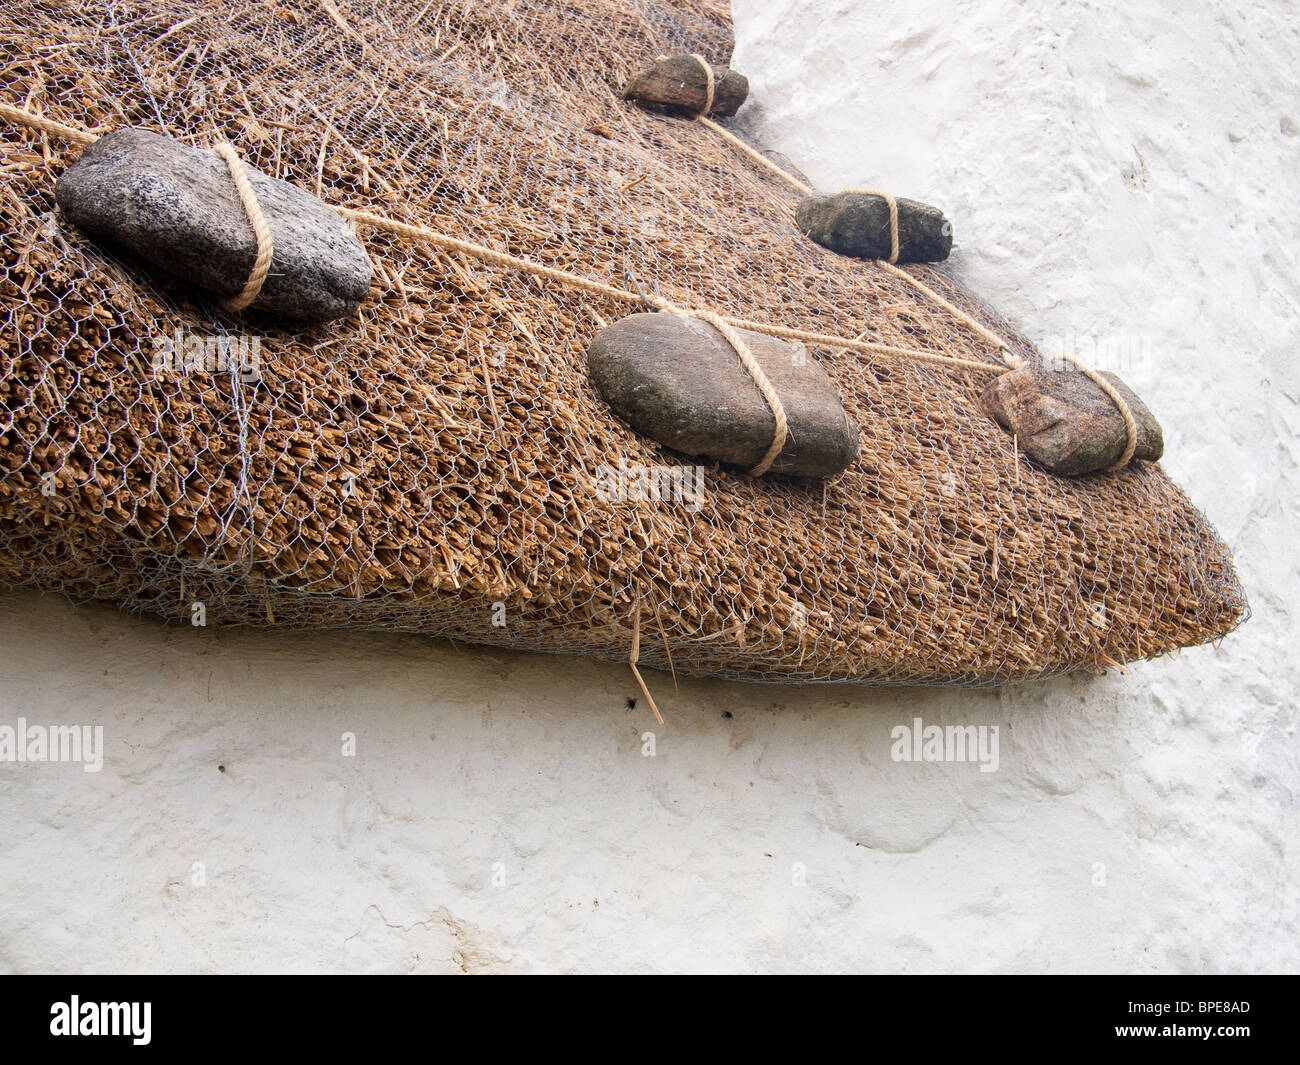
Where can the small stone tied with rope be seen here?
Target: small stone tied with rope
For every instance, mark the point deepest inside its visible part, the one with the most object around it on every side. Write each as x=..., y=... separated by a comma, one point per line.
x=892, y=204
x=1143, y=441
x=672, y=85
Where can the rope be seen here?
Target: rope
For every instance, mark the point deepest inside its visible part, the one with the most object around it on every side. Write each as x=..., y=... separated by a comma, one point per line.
x=781, y=431
x=1012, y=360
x=825, y=340
x=999, y=345
x=479, y=251
x=261, y=267
x=1130, y=422
x=708, y=83
x=599, y=288
x=756, y=155
x=893, y=218
x=261, y=228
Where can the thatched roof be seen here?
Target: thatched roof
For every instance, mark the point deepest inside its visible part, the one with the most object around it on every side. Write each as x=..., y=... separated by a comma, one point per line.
x=409, y=467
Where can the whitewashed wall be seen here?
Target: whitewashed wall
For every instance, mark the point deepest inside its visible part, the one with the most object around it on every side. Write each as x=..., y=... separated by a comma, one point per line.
x=1118, y=175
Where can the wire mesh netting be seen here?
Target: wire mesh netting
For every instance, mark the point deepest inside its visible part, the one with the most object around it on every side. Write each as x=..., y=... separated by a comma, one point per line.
x=432, y=463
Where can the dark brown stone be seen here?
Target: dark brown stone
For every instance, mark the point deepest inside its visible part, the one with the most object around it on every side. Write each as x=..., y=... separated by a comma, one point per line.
x=857, y=224
x=1064, y=420
x=679, y=381
x=678, y=85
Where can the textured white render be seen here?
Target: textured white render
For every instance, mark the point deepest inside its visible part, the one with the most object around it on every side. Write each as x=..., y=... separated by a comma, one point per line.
x=1121, y=175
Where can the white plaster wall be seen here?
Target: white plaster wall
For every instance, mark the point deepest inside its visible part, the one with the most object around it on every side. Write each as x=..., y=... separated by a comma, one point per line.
x=1119, y=175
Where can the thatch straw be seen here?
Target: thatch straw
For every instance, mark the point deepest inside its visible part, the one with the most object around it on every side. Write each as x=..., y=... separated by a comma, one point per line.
x=457, y=402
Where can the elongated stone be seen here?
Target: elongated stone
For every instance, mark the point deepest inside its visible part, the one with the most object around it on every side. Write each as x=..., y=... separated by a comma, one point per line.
x=177, y=208
x=679, y=381
x=857, y=224
x=678, y=84
x=1064, y=420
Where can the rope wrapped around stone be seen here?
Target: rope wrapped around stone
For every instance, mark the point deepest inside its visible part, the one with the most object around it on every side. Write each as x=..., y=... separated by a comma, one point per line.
x=709, y=83
x=265, y=247
x=261, y=228
x=1130, y=422
x=888, y=197
x=782, y=430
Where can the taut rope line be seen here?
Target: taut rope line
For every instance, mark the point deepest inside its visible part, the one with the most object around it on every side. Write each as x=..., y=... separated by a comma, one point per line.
x=563, y=277
x=726, y=324
x=46, y=125
x=1013, y=361
x=756, y=155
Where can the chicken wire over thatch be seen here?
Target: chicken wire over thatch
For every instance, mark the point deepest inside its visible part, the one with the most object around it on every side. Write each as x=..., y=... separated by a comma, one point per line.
x=412, y=466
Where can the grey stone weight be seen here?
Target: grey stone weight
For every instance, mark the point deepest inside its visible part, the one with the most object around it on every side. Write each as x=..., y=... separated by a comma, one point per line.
x=1064, y=420
x=678, y=84
x=857, y=224
x=679, y=381
x=177, y=207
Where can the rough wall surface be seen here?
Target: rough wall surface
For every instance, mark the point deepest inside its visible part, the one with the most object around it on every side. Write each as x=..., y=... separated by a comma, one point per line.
x=1119, y=179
